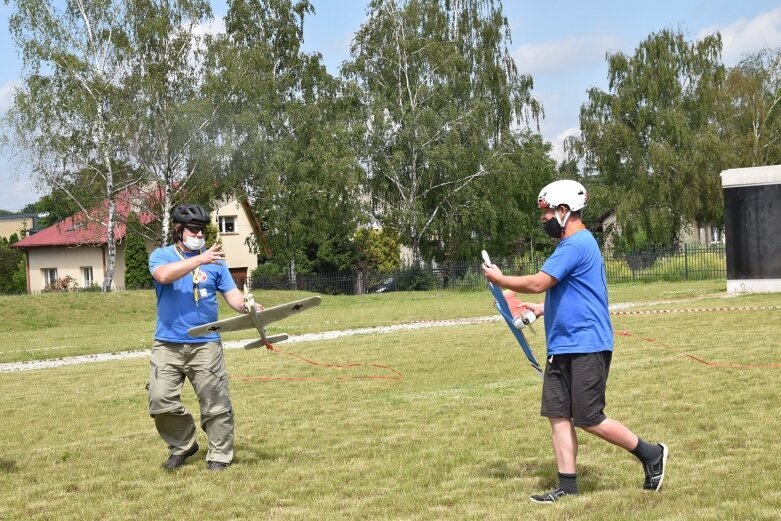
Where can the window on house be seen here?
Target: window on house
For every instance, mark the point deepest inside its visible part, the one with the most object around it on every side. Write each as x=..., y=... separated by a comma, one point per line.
x=49, y=276
x=86, y=273
x=227, y=224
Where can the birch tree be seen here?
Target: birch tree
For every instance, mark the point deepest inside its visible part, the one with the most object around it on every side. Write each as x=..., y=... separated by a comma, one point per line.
x=114, y=88
x=753, y=95
x=70, y=115
x=168, y=142
x=443, y=100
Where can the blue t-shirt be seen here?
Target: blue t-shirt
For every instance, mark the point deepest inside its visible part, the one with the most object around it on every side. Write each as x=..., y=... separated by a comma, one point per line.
x=577, y=319
x=177, y=310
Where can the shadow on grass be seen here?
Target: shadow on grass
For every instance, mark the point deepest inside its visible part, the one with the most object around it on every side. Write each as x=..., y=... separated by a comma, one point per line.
x=544, y=472
x=8, y=465
x=501, y=470
x=248, y=454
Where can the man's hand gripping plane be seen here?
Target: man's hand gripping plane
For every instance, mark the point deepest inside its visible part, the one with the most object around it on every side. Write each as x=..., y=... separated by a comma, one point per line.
x=258, y=318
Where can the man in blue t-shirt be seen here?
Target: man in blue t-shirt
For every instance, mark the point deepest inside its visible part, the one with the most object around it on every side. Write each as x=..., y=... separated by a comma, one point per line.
x=579, y=339
x=187, y=278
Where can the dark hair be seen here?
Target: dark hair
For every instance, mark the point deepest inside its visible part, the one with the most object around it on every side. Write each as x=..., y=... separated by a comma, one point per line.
x=177, y=231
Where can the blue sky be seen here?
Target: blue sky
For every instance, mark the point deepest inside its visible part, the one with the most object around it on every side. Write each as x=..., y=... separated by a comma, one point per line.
x=561, y=44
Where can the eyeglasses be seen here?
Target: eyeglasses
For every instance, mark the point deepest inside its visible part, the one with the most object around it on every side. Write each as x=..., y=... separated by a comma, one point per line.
x=194, y=229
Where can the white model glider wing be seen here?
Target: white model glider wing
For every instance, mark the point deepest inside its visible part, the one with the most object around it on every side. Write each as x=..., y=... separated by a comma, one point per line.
x=271, y=315
x=263, y=318
x=222, y=326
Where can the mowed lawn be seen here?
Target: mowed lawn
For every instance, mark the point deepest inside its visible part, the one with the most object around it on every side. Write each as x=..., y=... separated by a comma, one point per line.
x=458, y=437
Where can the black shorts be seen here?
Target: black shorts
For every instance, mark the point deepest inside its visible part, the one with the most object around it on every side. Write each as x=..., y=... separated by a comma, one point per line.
x=574, y=387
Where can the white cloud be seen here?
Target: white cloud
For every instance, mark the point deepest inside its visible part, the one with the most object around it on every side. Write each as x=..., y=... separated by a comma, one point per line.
x=7, y=90
x=213, y=27
x=571, y=53
x=557, y=153
x=745, y=36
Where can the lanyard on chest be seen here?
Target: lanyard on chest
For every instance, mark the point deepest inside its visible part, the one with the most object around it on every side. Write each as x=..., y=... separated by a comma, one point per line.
x=196, y=277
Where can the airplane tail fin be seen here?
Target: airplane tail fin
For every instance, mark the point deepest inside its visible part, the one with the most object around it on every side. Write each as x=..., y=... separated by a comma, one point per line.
x=269, y=340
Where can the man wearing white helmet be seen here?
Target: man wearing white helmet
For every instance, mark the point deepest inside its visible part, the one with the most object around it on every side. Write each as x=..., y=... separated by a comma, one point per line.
x=579, y=339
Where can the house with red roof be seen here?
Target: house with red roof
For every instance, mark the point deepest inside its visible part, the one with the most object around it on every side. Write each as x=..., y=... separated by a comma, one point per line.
x=77, y=246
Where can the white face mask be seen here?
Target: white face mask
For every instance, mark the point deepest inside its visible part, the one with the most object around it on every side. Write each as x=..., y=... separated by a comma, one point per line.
x=194, y=243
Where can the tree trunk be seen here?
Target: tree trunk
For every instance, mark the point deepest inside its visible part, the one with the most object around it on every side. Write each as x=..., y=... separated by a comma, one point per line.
x=111, y=246
x=166, y=230
x=291, y=273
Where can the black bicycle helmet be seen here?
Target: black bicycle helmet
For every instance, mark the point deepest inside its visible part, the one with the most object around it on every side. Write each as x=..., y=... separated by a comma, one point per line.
x=190, y=214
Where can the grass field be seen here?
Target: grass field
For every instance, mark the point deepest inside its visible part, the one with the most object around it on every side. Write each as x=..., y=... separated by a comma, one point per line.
x=459, y=437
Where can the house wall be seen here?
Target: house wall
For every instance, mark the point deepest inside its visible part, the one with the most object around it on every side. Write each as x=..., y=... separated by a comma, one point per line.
x=119, y=270
x=9, y=227
x=237, y=253
x=69, y=262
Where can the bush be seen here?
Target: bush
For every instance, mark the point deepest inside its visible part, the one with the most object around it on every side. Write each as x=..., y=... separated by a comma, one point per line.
x=269, y=276
x=416, y=279
x=379, y=249
x=268, y=269
x=472, y=280
x=66, y=283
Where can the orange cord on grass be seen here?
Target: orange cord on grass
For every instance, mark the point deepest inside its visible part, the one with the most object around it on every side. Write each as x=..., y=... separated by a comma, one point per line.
x=699, y=310
x=395, y=376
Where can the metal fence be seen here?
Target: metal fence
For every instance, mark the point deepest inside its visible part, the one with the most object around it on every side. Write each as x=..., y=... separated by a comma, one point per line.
x=667, y=264
x=650, y=265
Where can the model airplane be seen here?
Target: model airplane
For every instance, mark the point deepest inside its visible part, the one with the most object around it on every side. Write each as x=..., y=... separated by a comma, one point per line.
x=257, y=319
x=522, y=320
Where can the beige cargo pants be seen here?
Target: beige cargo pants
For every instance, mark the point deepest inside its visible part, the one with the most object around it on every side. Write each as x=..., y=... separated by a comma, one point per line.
x=203, y=364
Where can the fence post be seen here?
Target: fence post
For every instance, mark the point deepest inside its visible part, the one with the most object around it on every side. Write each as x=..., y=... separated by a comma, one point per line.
x=685, y=262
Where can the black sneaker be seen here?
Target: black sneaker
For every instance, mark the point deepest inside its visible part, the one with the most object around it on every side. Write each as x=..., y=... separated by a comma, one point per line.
x=216, y=466
x=552, y=496
x=654, y=472
x=174, y=462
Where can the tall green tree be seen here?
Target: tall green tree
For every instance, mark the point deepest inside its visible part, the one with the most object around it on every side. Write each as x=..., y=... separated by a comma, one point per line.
x=111, y=112
x=71, y=113
x=499, y=213
x=168, y=142
x=137, y=274
x=753, y=99
x=443, y=99
x=13, y=268
x=289, y=127
x=655, y=138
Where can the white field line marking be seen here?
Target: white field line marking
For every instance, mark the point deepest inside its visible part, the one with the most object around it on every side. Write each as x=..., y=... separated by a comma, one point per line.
x=239, y=344
x=330, y=335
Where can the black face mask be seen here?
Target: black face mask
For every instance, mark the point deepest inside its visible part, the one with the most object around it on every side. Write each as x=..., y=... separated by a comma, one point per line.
x=553, y=228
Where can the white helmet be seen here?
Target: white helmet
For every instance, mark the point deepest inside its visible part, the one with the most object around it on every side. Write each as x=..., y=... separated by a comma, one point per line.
x=566, y=191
